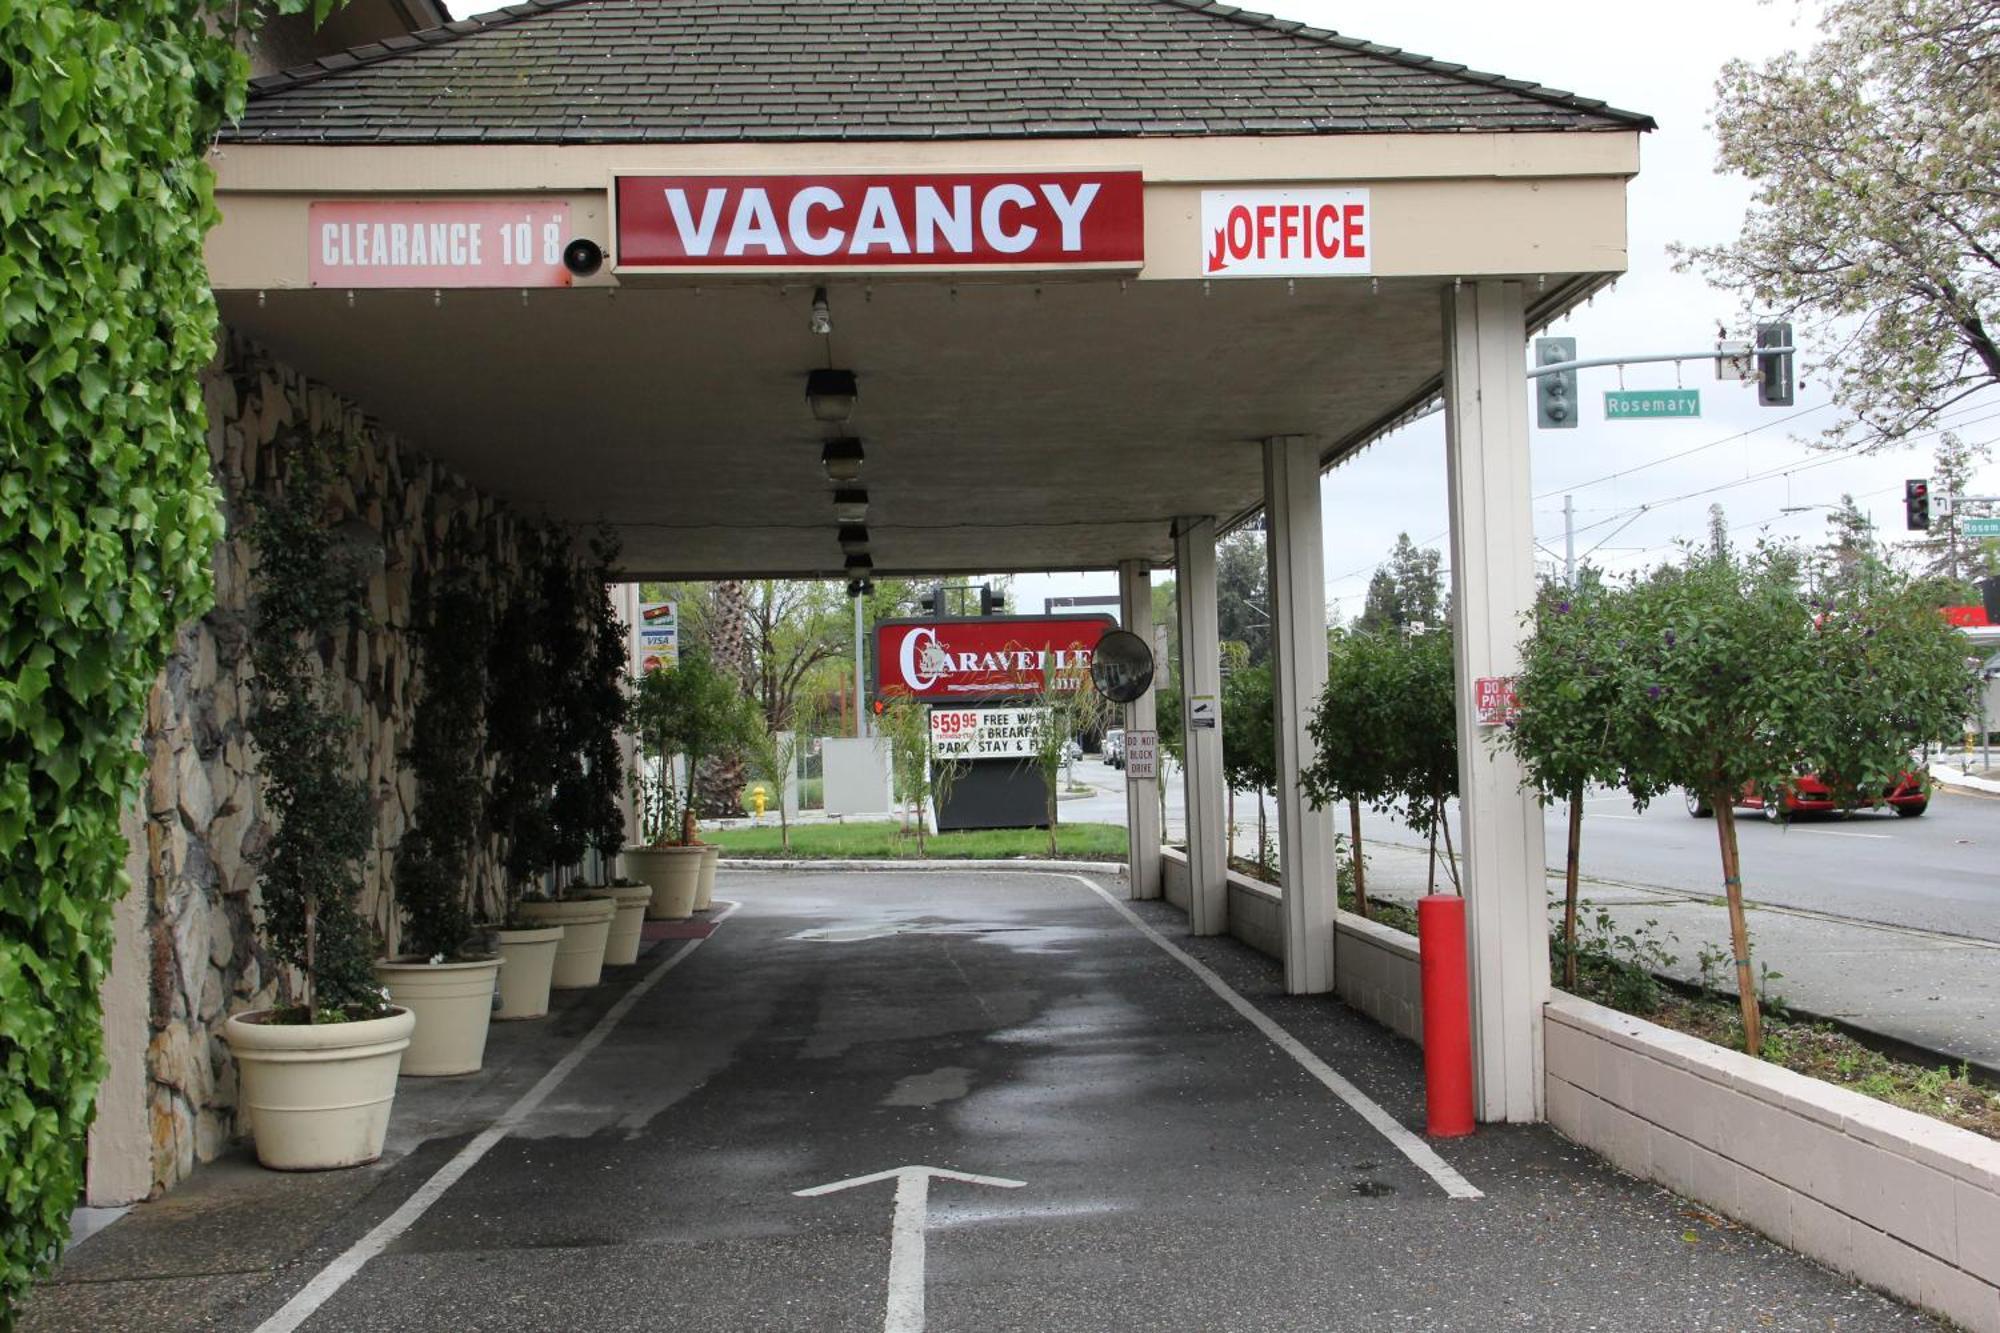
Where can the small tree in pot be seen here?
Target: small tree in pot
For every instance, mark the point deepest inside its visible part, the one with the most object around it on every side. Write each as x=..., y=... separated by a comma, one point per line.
x=686, y=711
x=308, y=587
x=445, y=972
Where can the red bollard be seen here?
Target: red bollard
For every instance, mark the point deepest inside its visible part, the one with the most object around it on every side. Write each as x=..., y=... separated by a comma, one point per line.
x=1447, y=1016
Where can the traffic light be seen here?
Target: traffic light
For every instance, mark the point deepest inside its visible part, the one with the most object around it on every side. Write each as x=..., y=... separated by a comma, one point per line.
x=1917, y=505
x=1555, y=395
x=990, y=602
x=931, y=601
x=1774, y=369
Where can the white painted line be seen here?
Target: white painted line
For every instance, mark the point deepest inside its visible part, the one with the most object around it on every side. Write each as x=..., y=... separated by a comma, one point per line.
x=1420, y=1153
x=337, y=1274
x=1838, y=833
x=905, y=1313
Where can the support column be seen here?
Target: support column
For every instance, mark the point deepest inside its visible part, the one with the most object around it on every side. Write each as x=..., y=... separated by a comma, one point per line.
x=1201, y=682
x=1493, y=585
x=1142, y=795
x=1298, y=660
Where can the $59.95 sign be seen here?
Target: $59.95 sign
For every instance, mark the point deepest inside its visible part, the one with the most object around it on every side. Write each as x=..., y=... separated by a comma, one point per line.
x=985, y=733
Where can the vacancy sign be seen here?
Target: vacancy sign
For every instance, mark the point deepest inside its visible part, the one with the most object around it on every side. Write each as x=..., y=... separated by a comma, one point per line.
x=437, y=243
x=956, y=220
x=1285, y=233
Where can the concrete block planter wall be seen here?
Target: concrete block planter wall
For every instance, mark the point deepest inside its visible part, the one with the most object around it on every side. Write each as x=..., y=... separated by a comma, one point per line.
x=1901, y=1201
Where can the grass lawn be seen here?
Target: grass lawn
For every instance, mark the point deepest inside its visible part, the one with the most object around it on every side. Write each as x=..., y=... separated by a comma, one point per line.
x=885, y=840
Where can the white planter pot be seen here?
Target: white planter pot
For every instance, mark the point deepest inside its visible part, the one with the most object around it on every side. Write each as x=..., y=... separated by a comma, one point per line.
x=530, y=960
x=621, y=947
x=674, y=873
x=586, y=924
x=704, y=894
x=453, y=1003
x=318, y=1094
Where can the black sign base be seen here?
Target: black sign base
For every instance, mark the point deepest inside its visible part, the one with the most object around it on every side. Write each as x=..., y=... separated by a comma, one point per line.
x=995, y=793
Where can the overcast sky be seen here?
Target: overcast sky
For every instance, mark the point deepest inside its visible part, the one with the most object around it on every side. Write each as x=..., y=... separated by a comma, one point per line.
x=1662, y=62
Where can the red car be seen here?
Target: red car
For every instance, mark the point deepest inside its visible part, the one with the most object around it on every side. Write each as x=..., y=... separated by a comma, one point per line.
x=1909, y=795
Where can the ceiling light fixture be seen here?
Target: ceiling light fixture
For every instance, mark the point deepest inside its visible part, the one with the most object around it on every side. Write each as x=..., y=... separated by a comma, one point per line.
x=831, y=394
x=851, y=506
x=842, y=459
x=853, y=537
x=821, y=321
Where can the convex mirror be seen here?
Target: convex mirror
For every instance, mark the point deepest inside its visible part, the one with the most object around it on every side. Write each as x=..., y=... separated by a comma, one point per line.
x=1122, y=666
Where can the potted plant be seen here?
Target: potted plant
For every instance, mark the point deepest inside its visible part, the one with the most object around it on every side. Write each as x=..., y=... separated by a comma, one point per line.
x=538, y=657
x=318, y=1077
x=686, y=710
x=445, y=972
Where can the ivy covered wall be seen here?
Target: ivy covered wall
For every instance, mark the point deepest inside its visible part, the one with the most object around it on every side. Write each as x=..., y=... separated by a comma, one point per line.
x=204, y=817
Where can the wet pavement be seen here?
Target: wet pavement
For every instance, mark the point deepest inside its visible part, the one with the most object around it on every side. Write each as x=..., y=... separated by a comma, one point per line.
x=1177, y=1169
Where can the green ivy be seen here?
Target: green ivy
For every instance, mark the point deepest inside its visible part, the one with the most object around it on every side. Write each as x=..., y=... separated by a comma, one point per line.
x=107, y=516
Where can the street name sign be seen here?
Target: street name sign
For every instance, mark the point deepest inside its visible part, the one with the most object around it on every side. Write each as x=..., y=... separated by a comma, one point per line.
x=1651, y=404
x=1982, y=527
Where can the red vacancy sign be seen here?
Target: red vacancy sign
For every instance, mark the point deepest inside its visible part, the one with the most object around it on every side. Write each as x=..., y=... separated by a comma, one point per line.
x=976, y=659
x=1493, y=702
x=1037, y=219
x=437, y=243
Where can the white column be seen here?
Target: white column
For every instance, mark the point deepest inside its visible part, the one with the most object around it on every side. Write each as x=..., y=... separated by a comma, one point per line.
x=1201, y=680
x=1298, y=658
x=1142, y=795
x=120, y=1147
x=1493, y=584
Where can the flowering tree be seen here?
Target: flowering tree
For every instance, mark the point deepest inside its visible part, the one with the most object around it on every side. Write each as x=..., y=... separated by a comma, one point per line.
x=1875, y=206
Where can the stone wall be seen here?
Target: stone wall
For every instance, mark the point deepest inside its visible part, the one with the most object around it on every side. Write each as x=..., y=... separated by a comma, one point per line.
x=204, y=816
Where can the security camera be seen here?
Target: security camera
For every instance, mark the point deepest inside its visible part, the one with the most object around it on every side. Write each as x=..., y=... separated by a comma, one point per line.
x=582, y=257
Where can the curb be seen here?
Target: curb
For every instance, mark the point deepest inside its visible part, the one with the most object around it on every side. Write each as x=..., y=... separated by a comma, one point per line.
x=1963, y=781
x=927, y=865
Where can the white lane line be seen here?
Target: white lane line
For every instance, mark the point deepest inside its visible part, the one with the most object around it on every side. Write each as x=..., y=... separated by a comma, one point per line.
x=1837, y=833
x=1420, y=1153
x=337, y=1274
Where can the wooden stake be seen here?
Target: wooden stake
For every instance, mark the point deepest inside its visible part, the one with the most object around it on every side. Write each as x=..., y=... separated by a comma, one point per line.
x=1569, y=886
x=1360, y=883
x=1739, y=927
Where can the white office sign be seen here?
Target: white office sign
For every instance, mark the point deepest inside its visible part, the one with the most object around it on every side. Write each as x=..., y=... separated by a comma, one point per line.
x=1286, y=233
x=985, y=733
x=1142, y=754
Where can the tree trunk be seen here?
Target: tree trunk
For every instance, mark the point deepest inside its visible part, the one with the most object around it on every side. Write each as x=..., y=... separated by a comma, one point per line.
x=1354, y=840
x=1053, y=797
x=1229, y=830
x=1263, y=838
x=1739, y=928
x=730, y=651
x=1569, y=886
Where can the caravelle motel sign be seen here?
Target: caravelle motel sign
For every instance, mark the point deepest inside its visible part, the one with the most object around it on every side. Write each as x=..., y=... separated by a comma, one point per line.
x=1000, y=221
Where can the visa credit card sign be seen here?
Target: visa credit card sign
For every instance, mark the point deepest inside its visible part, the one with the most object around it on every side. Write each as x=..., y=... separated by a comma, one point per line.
x=656, y=637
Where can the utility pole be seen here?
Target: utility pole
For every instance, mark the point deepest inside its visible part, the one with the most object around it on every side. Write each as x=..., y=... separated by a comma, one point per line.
x=860, y=698
x=1569, y=545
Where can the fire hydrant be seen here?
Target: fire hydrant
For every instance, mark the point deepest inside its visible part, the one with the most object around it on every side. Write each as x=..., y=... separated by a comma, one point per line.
x=757, y=799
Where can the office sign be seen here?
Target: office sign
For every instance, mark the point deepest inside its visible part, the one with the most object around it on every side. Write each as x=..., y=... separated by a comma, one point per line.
x=437, y=243
x=986, y=733
x=656, y=637
x=990, y=658
x=1285, y=233
x=948, y=220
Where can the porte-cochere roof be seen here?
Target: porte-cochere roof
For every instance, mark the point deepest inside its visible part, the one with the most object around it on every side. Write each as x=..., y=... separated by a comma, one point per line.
x=691, y=71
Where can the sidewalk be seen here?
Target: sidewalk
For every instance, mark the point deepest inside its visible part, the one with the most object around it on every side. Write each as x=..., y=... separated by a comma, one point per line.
x=1937, y=992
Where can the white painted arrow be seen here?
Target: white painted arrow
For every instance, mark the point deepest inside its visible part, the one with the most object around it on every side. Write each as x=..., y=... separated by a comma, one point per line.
x=906, y=1237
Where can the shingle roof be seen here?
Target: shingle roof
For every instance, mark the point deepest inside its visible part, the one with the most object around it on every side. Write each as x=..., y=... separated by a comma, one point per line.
x=669, y=71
